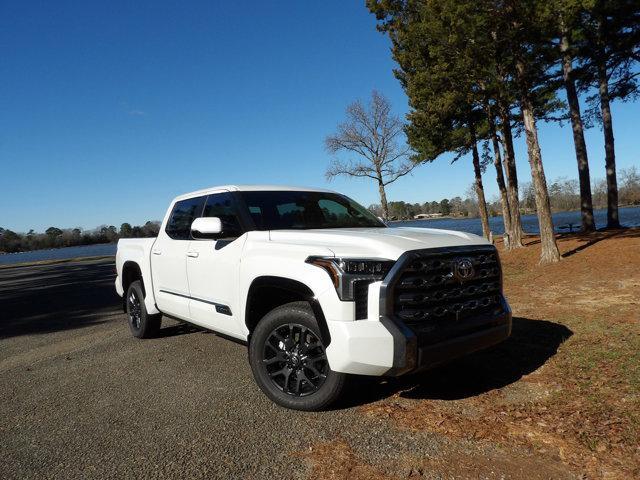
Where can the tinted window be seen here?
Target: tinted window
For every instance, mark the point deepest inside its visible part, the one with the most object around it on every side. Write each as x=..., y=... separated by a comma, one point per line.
x=182, y=216
x=304, y=210
x=334, y=211
x=221, y=205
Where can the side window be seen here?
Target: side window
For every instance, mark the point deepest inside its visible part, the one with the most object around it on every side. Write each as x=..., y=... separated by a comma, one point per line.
x=291, y=214
x=221, y=205
x=182, y=216
x=257, y=215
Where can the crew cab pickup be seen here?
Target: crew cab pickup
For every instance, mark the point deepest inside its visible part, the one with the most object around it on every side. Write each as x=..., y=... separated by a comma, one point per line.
x=316, y=286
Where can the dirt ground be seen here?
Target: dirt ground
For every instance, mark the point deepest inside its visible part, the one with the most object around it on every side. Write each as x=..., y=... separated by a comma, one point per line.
x=559, y=399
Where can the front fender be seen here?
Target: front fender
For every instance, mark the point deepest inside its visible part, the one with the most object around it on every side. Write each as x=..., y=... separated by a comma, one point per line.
x=286, y=263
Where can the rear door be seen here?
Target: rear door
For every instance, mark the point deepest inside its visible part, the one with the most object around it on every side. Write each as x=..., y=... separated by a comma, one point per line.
x=213, y=266
x=169, y=258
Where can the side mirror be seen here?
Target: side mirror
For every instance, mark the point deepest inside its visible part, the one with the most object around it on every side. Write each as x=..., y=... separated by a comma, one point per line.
x=206, y=227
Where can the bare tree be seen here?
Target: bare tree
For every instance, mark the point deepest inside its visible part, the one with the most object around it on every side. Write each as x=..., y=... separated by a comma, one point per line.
x=375, y=136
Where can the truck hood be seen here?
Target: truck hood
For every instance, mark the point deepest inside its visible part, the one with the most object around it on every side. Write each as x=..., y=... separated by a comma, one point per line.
x=387, y=243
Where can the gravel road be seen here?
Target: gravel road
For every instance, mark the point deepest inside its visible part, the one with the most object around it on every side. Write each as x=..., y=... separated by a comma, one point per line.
x=81, y=398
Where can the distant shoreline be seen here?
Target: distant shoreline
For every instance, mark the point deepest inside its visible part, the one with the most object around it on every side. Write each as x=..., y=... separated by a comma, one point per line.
x=458, y=217
x=56, y=248
x=58, y=254
x=444, y=217
x=53, y=261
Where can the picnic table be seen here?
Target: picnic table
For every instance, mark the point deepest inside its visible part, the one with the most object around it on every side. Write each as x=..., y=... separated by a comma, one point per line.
x=568, y=226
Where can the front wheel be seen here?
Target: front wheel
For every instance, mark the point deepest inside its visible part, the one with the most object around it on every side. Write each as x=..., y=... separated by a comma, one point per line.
x=141, y=323
x=289, y=361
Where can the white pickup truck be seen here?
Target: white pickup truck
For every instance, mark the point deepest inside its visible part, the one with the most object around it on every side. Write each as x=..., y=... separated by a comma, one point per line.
x=316, y=285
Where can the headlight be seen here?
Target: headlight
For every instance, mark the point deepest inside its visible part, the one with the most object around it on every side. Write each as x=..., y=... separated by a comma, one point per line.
x=345, y=272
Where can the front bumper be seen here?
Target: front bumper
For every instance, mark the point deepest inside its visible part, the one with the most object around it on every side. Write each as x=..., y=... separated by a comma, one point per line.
x=415, y=355
x=384, y=345
x=416, y=350
x=387, y=347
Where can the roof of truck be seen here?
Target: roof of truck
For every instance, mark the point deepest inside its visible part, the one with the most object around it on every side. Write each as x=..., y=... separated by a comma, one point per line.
x=251, y=188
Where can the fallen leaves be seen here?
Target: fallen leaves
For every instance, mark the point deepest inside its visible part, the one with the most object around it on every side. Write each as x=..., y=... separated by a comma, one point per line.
x=581, y=406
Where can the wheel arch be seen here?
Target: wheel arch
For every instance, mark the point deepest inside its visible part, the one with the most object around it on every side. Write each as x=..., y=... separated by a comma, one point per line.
x=268, y=292
x=131, y=272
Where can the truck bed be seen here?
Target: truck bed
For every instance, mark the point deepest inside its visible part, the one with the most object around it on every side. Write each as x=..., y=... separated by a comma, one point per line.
x=137, y=250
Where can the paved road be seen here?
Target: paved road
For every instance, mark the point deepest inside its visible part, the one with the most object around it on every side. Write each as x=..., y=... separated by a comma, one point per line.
x=81, y=398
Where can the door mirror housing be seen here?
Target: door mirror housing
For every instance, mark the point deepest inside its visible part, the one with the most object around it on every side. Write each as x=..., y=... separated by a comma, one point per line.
x=206, y=227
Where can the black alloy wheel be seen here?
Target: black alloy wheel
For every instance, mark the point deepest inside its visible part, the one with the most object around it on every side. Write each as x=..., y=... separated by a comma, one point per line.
x=295, y=360
x=134, y=309
x=289, y=361
x=141, y=323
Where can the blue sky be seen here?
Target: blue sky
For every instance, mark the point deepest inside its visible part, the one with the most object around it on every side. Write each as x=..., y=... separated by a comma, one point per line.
x=109, y=109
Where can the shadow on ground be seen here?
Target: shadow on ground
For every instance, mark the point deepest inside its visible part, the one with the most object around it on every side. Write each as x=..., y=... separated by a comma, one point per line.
x=43, y=299
x=180, y=328
x=48, y=298
x=590, y=239
x=531, y=345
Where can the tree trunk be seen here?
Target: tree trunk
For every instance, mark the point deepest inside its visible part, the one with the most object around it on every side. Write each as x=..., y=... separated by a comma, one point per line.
x=586, y=204
x=497, y=162
x=550, y=252
x=515, y=240
x=383, y=200
x=482, y=204
x=613, y=220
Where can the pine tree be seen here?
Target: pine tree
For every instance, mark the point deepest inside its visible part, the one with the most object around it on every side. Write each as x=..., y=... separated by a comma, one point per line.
x=562, y=21
x=446, y=113
x=609, y=55
x=454, y=57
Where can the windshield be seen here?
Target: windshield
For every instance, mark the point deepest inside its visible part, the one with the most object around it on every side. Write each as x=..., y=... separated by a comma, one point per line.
x=283, y=210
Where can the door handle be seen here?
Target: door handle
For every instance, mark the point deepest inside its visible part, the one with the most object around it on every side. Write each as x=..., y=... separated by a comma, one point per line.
x=156, y=252
x=193, y=254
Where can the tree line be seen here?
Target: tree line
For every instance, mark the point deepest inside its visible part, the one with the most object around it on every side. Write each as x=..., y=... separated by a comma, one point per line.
x=479, y=73
x=54, y=237
x=455, y=207
x=564, y=195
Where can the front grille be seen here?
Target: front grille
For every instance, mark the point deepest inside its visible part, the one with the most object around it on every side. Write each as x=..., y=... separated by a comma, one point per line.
x=437, y=288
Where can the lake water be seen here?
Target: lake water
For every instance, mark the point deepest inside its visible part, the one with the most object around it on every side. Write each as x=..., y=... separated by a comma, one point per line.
x=629, y=217
x=59, y=253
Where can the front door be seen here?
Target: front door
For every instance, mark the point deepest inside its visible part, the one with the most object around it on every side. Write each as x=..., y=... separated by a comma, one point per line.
x=213, y=266
x=169, y=258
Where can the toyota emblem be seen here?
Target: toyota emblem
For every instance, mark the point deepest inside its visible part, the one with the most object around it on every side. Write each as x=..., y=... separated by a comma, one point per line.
x=463, y=269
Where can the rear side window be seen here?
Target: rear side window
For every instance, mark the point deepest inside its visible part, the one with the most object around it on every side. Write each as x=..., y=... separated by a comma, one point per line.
x=182, y=216
x=222, y=205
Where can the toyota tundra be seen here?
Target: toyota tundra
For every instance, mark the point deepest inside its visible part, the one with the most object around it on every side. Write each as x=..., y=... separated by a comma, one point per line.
x=317, y=286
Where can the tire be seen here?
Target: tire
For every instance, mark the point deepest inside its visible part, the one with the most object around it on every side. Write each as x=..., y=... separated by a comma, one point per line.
x=288, y=359
x=141, y=324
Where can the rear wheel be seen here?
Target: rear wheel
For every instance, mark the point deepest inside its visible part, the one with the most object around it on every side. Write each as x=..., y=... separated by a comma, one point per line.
x=141, y=323
x=289, y=362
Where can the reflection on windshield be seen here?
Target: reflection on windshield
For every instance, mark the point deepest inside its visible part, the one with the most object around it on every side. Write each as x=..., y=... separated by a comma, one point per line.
x=280, y=210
